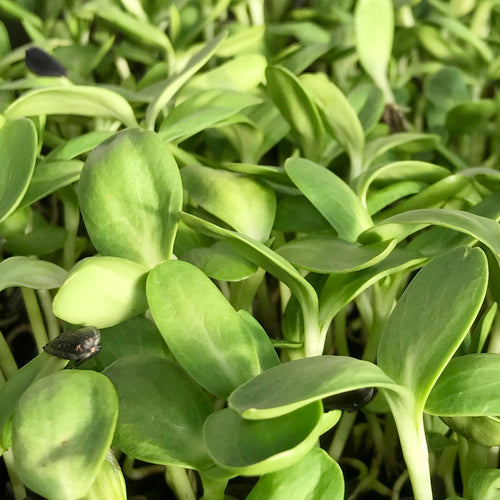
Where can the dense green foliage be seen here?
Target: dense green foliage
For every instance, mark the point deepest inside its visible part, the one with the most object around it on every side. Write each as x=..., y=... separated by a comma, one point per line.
x=280, y=219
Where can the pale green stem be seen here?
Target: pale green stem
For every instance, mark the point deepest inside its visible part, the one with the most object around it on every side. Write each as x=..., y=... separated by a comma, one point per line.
x=285, y=294
x=256, y=8
x=15, y=481
x=313, y=345
x=8, y=364
x=340, y=333
x=71, y=223
x=243, y=292
x=380, y=314
x=140, y=472
x=52, y=322
x=342, y=433
x=170, y=57
x=494, y=341
x=35, y=317
x=356, y=165
x=241, y=14
x=409, y=423
x=179, y=483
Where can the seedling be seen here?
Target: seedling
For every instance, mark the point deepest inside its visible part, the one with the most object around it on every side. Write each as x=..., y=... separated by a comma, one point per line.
x=280, y=222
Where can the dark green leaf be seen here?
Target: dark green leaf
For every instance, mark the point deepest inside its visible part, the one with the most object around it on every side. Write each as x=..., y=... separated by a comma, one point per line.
x=247, y=448
x=162, y=411
x=431, y=319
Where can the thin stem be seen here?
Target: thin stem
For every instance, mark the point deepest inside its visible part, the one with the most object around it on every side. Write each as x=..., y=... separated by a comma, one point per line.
x=398, y=485
x=71, y=223
x=356, y=165
x=340, y=333
x=52, y=322
x=35, y=317
x=15, y=481
x=342, y=434
x=140, y=472
x=243, y=292
x=267, y=309
x=8, y=364
x=379, y=318
x=177, y=479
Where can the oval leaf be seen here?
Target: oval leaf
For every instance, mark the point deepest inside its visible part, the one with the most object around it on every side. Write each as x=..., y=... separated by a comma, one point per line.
x=374, y=39
x=62, y=430
x=220, y=262
x=413, y=141
x=431, y=319
x=229, y=196
x=40, y=366
x=130, y=193
x=247, y=449
x=466, y=386
x=484, y=484
x=286, y=387
x=162, y=411
x=190, y=310
x=331, y=196
x=137, y=335
x=101, y=292
x=340, y=289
